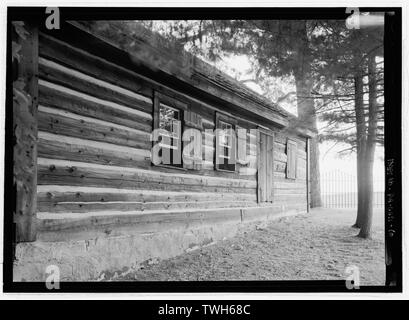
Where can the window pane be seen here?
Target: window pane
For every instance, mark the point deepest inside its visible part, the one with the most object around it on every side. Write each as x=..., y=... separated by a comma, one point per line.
x=167, y=117
x=169, y=120
x=225, y=135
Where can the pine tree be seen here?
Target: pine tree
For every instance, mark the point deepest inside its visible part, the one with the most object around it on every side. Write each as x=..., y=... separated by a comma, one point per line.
x=354, y=109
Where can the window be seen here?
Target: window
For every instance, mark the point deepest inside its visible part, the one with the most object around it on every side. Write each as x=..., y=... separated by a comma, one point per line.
x=225, y=143
x=168, y=140
x=291, y=159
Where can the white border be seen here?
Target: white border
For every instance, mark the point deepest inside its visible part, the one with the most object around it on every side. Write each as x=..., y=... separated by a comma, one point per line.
x=213, y=3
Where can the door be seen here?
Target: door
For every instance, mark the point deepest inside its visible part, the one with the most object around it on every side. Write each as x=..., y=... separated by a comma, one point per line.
x=265, y=166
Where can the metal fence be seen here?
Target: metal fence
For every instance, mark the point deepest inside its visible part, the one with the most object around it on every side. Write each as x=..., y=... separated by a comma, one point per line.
x=339, y=190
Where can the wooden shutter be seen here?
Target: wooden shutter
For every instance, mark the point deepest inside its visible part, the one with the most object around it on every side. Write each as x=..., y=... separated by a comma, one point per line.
x=177, y=130
x=265, y=161
x=291, y=159
x=193, y=120
x=241, y=146
x=222, y=163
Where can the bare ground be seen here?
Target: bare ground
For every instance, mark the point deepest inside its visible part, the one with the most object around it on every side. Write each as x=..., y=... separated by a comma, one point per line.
x=314, y=246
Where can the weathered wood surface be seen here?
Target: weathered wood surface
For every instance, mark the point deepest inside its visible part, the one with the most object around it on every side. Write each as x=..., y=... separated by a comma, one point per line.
x=25, y=140
x=80, y=226
x=162, y=61
x=102, y=224
x=308, y=188
x=81, y=172
x=76, y=58
x=80, y=60
x=78, y=81
x=70, y=124
x=55, y=96
x=280, y=157
x=266, y=165
x=76, y=149
x=270, y=162
x=282, y=138
x=55, y=194
x=95, y=120
x=83, y=207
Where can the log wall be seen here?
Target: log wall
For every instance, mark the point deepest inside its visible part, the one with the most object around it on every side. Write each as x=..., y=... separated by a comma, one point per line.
x=94, y=125
x=290, y=191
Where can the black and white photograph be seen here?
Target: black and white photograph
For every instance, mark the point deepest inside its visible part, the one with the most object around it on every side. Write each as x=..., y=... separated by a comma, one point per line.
x=210, y=149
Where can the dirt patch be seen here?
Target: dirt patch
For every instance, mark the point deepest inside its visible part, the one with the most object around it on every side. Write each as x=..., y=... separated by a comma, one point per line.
x=315, y=246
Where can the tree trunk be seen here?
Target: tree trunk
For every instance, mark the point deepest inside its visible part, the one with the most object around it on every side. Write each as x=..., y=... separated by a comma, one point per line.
x=305, y=104
x=366, y=225
x=306, y=114
x=361, y=143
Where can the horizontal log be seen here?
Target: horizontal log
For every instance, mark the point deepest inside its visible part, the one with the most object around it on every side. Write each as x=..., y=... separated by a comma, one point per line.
x=291, y=201
x=207, y=170
x=69, y=124
x=295, y=191
x=54, y=194
x=92, y=99
x=280, y=166
x=81, y=82
x=279, y=147
x=78, y=59
x=201, y=109
x=281, y=139
x=279, y=172
x=67, y=148
x=248, y=171
x=85, y=207
x=279, y=176
x=83, y=61
x=208, y=124
x=279, y=156
x=100, y=224
x=292, y=207
x=286, y=184
x=66, y=99
x=209, y=134
x=77, y=173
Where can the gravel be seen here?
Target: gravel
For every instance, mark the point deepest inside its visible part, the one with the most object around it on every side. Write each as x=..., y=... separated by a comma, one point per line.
x=319, y=245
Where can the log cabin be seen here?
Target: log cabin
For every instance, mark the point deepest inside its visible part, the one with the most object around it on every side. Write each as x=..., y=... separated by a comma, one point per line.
x=95, y=197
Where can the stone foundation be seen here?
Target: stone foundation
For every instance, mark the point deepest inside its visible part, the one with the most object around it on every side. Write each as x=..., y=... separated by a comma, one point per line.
x=89, y=259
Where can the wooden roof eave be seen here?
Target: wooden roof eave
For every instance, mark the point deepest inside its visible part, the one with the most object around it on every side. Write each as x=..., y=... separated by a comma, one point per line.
x=191, y=78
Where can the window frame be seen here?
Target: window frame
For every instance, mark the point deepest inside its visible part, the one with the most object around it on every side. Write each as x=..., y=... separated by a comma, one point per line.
x=177, y=105
x=229, y=120
x=294, y=144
